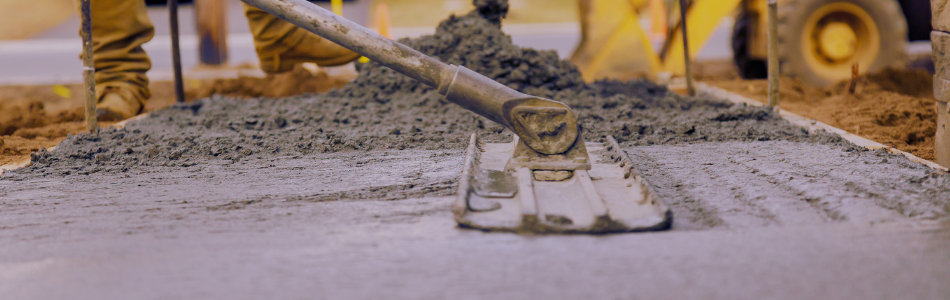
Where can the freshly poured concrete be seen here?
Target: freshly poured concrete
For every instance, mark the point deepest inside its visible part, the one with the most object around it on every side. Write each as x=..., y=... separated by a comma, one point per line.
x=347, y=195
x=223, y=233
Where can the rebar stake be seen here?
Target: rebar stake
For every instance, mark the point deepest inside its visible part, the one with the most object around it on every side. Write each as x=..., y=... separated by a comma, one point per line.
x=773, y=55
x=88, y=67
x=176, y=50
x=854, y=78
x=690, y=90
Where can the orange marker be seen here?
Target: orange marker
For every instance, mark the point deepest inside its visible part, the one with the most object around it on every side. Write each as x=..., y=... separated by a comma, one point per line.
x=658, y=26
x=382, y=21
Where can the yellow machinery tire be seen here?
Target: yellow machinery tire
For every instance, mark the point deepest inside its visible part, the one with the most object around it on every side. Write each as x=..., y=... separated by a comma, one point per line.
x=878, y=29
x=749, y=67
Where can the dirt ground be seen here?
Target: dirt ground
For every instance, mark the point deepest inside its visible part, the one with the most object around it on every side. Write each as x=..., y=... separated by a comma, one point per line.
x=892, y=107
x=40, y=116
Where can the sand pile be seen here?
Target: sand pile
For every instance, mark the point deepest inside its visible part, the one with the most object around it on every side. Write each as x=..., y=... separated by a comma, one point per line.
x=32, y=114
x=26, y=125
x=893, y=107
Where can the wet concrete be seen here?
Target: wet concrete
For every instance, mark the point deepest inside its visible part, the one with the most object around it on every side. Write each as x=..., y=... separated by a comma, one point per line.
x=382, y=109
x=226, y=234
x=345, y=195
x=740, y=185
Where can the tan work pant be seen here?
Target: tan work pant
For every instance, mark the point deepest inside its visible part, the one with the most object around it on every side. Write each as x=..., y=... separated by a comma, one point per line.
x=120, y=27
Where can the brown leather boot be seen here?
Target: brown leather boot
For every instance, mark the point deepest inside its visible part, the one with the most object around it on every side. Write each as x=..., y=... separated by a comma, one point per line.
x=280, y=45
x=114, y=106
x=312, y=49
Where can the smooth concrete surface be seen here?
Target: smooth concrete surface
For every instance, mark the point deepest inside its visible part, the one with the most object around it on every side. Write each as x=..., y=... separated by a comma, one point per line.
x=218, y=233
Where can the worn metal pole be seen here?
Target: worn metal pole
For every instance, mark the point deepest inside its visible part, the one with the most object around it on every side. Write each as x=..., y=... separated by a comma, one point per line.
x=689, y=73
x=773, y=54
x=88, y=66
x=176, y=50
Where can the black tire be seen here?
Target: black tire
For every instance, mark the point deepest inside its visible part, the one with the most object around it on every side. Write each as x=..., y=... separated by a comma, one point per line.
x=918, y=17
x=163, y=2
x=748, y=67
x=793, y=14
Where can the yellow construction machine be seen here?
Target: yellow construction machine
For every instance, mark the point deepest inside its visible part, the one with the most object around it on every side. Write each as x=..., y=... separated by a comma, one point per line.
x=819, y=40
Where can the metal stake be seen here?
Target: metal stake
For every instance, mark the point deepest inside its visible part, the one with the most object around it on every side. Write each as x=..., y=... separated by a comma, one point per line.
x=689, y=73
x=176, y=50
x=773, y=54
x=88, y=67
x=854, y=78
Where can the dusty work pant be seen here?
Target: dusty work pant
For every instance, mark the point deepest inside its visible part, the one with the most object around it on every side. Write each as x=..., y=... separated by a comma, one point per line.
x=120, y=27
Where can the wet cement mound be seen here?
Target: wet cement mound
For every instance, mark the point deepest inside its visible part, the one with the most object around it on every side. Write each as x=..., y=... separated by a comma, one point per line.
x=33, y=117
x=382, y=109
x=234, y=129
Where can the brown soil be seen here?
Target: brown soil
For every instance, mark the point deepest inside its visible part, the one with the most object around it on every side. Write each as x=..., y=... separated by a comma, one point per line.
x=35, y=117
x=893, y=107
x=298, y=81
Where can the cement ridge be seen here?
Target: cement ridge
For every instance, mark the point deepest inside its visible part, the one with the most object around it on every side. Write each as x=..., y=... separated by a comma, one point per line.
x=810, y=124
x=26, y=163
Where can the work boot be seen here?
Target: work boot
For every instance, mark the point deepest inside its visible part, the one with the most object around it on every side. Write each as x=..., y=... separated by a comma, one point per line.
x=313, y=49
x=113, y=106
x=280, y=45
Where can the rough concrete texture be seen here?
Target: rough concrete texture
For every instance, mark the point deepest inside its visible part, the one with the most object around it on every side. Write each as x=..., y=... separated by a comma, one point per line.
x=261, y=228
x=941, y=14
x=382, y=109
x=288, y=198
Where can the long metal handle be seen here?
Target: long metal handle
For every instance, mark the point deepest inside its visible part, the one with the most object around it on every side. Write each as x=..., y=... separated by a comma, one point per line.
x=361, y=40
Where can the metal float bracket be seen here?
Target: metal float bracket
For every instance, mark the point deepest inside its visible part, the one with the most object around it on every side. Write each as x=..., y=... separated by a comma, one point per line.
x=602, y=193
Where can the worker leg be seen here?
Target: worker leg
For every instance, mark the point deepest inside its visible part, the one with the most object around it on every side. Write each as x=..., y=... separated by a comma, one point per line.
x=119, y=28
x=280, y=45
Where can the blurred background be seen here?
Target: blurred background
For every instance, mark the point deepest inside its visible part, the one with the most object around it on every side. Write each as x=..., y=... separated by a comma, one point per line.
x=39, y=42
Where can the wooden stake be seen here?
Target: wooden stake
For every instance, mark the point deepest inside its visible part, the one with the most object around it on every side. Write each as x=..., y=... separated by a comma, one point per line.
x=658, y=25
x=690, y=90
x=382, y=21
x=211, y=17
